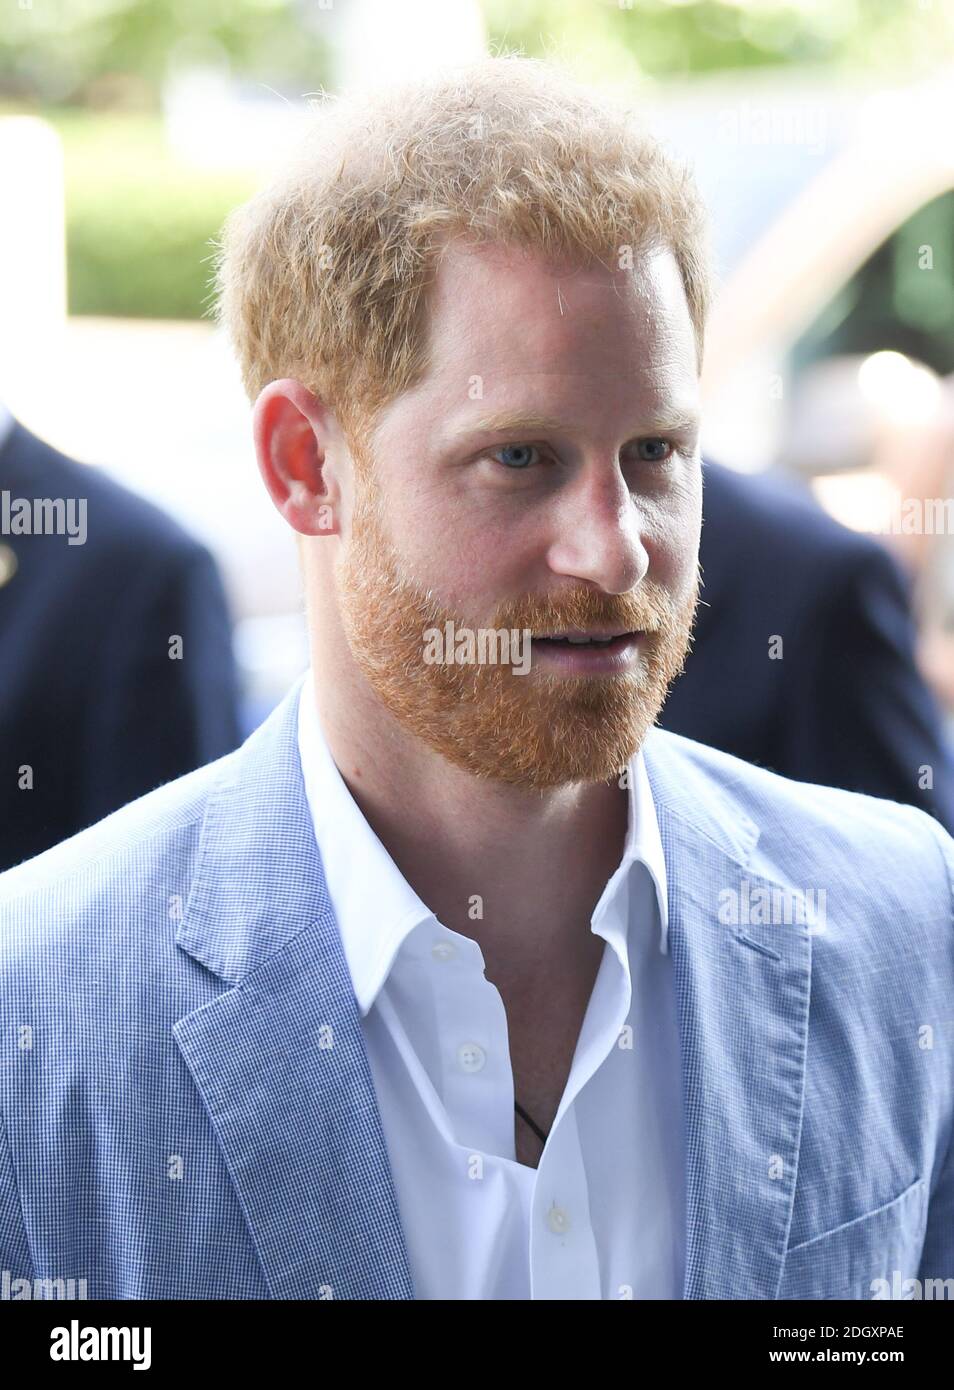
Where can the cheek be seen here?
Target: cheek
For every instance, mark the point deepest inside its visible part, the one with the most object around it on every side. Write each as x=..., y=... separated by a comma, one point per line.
x=673, y=542
x=472, y=570
x=476, y=575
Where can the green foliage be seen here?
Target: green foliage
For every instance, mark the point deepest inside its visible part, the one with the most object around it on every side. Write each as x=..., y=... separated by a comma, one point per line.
x=79, y=52
x=138, y=223
x=674, y=38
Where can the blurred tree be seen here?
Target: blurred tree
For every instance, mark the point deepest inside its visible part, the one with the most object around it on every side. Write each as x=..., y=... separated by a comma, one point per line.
x=673, y=38
x=139, y=222
x=96, y=52
x=78, y=52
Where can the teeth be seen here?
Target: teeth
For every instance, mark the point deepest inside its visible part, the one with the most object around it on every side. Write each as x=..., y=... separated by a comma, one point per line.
x=583, y=641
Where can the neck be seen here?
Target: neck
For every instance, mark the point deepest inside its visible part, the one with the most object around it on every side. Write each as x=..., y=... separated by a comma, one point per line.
x=537, y=861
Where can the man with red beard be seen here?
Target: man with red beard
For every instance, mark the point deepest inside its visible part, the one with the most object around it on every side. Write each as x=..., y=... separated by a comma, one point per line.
x=461, y=979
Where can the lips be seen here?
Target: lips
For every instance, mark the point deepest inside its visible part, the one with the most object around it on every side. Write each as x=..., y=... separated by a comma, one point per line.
x=589, y=654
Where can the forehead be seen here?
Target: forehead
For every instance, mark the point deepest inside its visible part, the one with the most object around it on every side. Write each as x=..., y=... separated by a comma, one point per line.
x=501, y=309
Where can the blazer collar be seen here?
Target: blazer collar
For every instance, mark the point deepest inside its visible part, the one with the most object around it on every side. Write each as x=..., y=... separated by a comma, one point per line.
x=280, y=1062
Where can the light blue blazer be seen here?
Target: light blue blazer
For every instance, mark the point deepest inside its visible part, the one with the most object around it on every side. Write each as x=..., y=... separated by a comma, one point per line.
x=174, y=1123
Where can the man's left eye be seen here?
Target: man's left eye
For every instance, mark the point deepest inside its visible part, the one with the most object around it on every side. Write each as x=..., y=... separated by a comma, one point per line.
x=657, y=450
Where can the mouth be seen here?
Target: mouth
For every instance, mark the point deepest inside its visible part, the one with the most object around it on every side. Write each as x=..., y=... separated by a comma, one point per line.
x=589, y=653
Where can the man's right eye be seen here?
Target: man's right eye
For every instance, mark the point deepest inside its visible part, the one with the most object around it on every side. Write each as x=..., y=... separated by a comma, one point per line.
x=519, y=463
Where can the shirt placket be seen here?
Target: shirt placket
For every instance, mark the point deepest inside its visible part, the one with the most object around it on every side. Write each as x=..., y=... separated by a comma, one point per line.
x=475, y=1082
x=564, y=1260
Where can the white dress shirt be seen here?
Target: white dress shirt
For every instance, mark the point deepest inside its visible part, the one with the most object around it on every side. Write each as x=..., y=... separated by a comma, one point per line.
x=602, y=1215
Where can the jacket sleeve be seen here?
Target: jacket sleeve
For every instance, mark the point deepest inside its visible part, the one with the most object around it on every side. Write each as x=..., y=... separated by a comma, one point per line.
x=15, y=1258
x=937, y=1254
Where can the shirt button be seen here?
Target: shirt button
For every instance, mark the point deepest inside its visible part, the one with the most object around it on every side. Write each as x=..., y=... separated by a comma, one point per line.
x=471, y=1056
x=558, y=1220
x=443, y=950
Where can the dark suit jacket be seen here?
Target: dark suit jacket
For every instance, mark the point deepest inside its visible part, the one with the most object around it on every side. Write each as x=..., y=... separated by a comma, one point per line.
x=845, y=706
x=89, y=697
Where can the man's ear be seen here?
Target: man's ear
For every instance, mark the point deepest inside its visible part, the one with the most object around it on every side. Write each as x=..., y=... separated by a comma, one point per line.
x=290, y=428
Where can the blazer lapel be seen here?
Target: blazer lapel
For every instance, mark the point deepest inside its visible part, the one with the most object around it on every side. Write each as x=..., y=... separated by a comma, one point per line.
x=279, y=1058
x=742, y=992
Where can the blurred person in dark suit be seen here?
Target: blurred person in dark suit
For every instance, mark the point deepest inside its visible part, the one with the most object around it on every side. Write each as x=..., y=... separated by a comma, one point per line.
x=842, y=702
x=96, y=708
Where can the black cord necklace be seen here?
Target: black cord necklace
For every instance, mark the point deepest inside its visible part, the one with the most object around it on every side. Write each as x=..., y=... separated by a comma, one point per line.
x=532, y=1123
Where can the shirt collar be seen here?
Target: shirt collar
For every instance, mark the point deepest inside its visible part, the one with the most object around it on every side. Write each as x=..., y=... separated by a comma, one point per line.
x=375, y=905
x=643, y=840
x=365, y=885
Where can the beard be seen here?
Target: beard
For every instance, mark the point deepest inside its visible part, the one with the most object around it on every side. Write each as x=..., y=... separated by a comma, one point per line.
x=539, y=729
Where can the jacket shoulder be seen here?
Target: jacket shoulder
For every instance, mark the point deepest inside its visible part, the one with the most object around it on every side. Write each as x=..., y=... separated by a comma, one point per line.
x=111, y=882
x=807, y=827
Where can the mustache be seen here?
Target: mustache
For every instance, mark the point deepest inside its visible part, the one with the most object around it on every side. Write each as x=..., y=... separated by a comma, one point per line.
x=647, y=609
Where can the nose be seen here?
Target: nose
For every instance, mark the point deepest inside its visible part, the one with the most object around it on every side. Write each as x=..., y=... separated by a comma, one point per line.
x=600, y=533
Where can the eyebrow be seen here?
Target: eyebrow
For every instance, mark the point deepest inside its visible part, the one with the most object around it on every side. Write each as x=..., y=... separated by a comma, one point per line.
x=518, y=422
